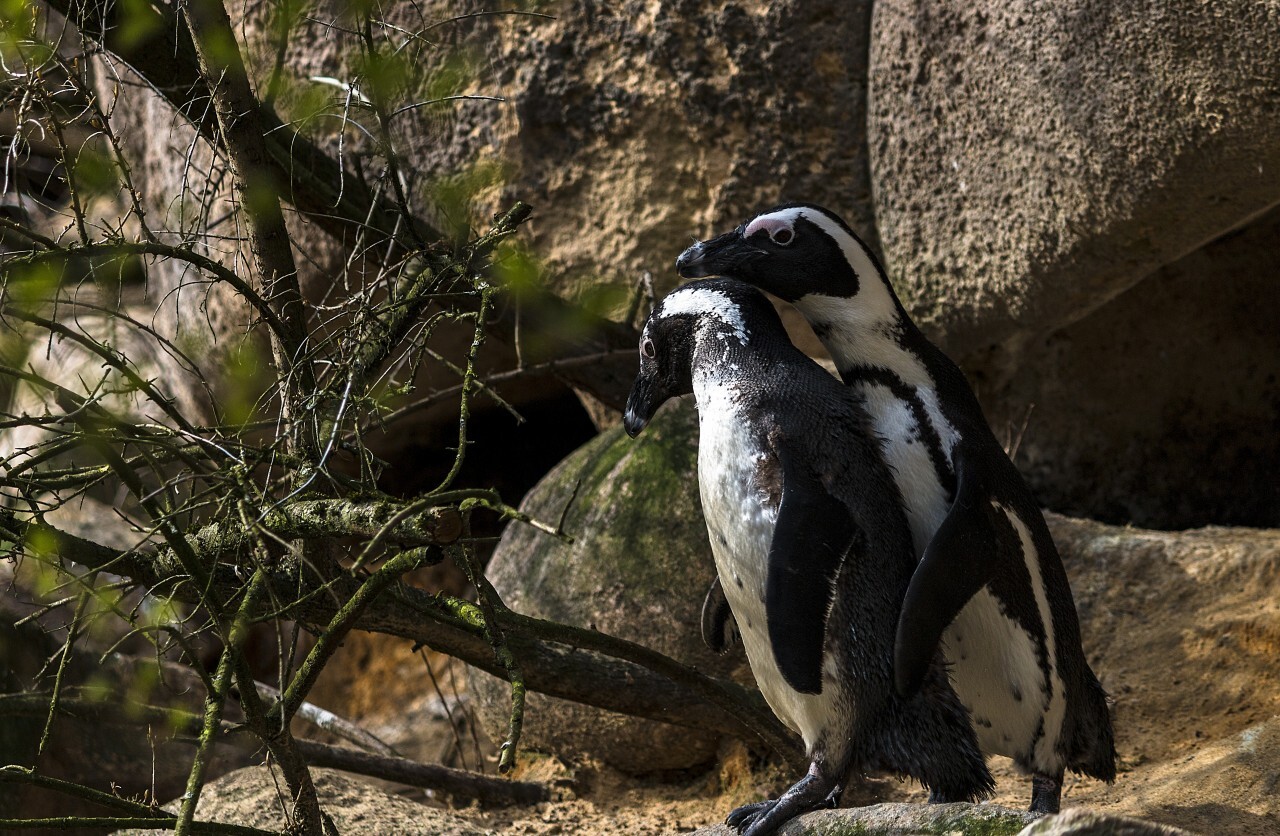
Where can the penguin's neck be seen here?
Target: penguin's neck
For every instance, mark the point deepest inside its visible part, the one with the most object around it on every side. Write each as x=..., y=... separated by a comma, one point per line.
x=721, y=359
x=867, y=332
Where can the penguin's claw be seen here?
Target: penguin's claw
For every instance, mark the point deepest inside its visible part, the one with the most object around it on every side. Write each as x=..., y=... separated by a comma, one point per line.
x=741, y=818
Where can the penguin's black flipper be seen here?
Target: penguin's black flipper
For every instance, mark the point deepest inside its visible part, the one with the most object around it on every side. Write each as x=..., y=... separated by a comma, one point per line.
x=813, y=532
x=959, y=560
x=719, y=630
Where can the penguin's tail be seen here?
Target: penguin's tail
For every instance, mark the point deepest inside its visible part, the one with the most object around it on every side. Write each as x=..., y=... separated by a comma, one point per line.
x=1093, y=749
x=930, y=738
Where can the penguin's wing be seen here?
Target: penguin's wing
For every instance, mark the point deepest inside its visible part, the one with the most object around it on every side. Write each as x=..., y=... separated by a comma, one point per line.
x=719, y=630
x=959, y=560
x=813, y=532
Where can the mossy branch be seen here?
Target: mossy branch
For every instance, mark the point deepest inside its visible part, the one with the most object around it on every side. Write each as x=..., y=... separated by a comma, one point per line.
x=490, y=603
x=215, y=702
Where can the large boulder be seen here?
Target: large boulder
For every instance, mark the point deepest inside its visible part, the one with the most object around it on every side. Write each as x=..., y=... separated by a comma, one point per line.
x=640, y=124
x=1030, y=164
x=1159, y=408
x=638, y=568
x=1031, y=161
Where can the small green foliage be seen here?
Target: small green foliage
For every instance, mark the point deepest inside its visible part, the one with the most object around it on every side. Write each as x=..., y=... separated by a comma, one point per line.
x=30, y=285
x=382, y=74
x=453, y=76
x=312, y=107
x=138, y=22
x=260, y=195
x=455, y=194
x=17, y=25
x=94, y=173
x=247, y=376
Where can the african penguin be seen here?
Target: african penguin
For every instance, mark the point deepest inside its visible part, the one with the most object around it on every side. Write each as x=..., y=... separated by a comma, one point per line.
x=811, y=547
x=990, y=585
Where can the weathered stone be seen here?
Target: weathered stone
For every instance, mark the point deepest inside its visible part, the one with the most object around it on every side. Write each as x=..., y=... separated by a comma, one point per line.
x=1030, y=161
x=254, y=797
x=901, y=820
x=638, y=568
x=640, y=124
x=1159, y=408
x=1082, y=822
x=958, y=820
x=1183, y=629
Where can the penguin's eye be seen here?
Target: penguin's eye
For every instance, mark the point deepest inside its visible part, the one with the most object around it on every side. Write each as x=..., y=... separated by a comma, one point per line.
x=782, y=236
x=646, y=348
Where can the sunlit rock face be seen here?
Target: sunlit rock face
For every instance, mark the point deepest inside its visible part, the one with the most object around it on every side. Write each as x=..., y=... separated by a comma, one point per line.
x=1032, y=161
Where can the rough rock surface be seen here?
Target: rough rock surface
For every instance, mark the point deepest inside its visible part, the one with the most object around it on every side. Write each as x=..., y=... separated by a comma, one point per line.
x=901, y=820
x=1031, y=161
x=1030, y=164
x=638, y=568
x=1184, y=630
x=640, y=124
x=1159, y=408
x=1082, y=822
x=254, y=797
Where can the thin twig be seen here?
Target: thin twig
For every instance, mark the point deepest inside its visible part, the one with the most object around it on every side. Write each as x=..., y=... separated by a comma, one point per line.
x=490, y=602
x=338, y=726
x=456, y=782
x=215, y=701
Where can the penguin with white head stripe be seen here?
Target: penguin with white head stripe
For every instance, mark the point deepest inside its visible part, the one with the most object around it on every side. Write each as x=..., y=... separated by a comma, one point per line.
x=811, y=544
x=990, y=586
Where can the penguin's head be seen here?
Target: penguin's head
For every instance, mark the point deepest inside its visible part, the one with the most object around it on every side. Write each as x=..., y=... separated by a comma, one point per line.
x=792, y=251
x=691, y=318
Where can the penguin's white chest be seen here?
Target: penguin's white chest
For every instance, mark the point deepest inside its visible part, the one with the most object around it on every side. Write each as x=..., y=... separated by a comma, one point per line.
x=740, y=523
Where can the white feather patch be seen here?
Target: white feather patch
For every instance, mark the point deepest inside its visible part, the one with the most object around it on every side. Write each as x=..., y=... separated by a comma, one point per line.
x=908, y=458
x=704, y=301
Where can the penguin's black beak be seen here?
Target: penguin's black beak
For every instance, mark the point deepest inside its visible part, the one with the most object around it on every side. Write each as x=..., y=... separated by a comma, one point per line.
x=642, y=403
x=723, y=255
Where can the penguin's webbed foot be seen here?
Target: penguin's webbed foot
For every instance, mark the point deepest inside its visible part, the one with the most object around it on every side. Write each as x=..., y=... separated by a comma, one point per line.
x=740, y=818
x=763, y=818
x=1046, y=793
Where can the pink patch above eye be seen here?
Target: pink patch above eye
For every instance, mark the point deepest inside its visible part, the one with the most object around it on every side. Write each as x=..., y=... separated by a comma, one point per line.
x=769, y=224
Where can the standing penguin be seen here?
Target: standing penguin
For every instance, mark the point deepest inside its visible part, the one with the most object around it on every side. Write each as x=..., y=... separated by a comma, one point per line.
x=811, y=546
x=990, y=585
